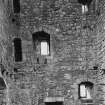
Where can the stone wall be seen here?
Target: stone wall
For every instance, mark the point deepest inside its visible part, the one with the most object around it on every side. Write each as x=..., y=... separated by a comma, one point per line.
x=73, y=52
x=100, y=46
x=4, y=33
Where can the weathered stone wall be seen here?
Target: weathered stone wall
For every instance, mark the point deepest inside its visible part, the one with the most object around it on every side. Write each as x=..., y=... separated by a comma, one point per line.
x=4, y=33
x=73, y=52
x=100, y=46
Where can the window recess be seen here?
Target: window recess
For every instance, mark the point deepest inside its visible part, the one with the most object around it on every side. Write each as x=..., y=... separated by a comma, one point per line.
x=41, y=43
x=86, y=90
x=16, y=6
x=17, y=50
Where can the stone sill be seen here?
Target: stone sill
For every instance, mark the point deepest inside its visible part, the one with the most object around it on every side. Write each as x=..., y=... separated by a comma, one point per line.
x=53, y=99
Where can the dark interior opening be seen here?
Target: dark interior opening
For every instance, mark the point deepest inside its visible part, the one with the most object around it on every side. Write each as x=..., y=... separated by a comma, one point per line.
x=54, y=103
x=18, y=49
x=85, y=2
x=86, y=84
x=16, y=5
x=41, y=35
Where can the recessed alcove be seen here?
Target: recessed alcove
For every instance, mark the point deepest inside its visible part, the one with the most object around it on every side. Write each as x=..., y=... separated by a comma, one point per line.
x=41, y=42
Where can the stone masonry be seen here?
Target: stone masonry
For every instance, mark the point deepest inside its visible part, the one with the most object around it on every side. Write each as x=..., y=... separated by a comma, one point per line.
x=77, y=51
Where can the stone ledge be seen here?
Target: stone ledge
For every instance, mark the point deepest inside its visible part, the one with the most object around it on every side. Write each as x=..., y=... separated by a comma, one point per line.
x=53, y=99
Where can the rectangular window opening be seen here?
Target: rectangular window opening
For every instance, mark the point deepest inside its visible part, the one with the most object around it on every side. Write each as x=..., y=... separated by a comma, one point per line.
x=41, y=43
x=82, y=91
x=84, y=8
x=44, y=48
x=85, y=92
x=17, y=50
x=16, y=6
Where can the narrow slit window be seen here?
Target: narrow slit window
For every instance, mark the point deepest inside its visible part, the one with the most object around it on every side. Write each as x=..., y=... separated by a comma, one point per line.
x=17, y=50
x=16, y=6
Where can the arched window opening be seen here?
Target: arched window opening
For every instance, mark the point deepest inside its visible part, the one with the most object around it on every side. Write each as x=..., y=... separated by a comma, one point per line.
x=85, y=90
x=17, y=49
x=41, y=41
x=2, y=84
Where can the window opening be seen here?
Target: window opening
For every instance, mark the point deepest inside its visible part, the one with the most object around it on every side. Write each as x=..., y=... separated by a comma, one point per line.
x=82, y=91
x=84, y=8
x=41, y=43
x=44, y=48
x=85, y=89
x=17, y=49
x=16, y=6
